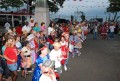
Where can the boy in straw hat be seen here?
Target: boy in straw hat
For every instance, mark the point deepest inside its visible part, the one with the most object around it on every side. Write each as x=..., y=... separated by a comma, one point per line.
x=55, y=55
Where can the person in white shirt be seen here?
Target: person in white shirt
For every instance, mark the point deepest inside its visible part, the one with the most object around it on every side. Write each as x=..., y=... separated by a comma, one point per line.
x=50, y=28
x=26, y=28
x=7, y=26
x=112, y=27
x=32, y=23
x=56, y=55
x=84, y=29
x=48, y=71
x=95, y=31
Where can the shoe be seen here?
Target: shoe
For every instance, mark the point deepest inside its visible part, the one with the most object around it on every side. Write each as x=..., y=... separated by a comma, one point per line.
x=65, y=67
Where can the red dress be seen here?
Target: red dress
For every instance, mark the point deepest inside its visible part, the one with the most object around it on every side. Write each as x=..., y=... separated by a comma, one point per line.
x=64, y=50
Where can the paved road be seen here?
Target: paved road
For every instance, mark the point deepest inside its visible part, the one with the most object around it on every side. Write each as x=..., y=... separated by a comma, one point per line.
x=100, y=61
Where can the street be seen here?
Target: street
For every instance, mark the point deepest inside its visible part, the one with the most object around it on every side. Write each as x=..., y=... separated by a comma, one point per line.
x=99, y=61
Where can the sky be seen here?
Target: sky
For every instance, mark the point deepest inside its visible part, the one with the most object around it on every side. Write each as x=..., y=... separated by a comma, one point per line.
x=91, y=8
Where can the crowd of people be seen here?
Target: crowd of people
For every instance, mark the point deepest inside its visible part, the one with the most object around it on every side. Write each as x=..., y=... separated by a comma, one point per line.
x=105, y=29
x=44, y=50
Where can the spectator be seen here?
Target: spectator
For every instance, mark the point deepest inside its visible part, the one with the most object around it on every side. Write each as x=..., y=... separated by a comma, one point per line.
x=26, y=28
x=7, y=26
x=10, y=55
x=36, y=27
x=19, y=30
x=112, y=27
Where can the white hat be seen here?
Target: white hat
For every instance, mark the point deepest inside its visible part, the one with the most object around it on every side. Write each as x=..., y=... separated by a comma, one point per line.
x=31, y=36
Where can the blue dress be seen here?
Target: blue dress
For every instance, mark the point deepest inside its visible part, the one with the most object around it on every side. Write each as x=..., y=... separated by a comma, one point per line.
x=37, y=70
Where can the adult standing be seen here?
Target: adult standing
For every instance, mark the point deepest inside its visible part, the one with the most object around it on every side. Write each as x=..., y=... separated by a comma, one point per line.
x=26, y=28
x=10, y=55
x=32, y=22
x=30, y=38
x=7, y=26
x=36, y=27
x=95, y=31
x=19, y=30
x=112, y=29
x=51, y=28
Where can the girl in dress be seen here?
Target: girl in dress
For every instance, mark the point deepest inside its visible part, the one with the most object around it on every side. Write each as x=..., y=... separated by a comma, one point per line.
x=40, y=59
x=64, y=51
x=26, y=62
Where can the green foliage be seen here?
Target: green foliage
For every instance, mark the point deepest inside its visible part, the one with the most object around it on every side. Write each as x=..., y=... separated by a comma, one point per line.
x=53, y=6
x=83, y=17
x=11, y=3
x=114, y=6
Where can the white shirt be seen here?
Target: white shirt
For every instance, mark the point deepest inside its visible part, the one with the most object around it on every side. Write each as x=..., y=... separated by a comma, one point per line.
x=18, y=44
x=26, y=28
x=50, y=29
x=63, y=43
x=46, y=78
x=112, y=28
x=56, y=56
x=7, y=26
x=95, y=29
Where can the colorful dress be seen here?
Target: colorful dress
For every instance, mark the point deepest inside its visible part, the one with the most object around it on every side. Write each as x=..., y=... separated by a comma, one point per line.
x=64, y=52
x=28, y=62
x=37, y=70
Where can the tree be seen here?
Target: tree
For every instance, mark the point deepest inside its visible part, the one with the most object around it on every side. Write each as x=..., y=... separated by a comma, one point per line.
x=11, y=3
x=53, y=5
x=114, y=7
